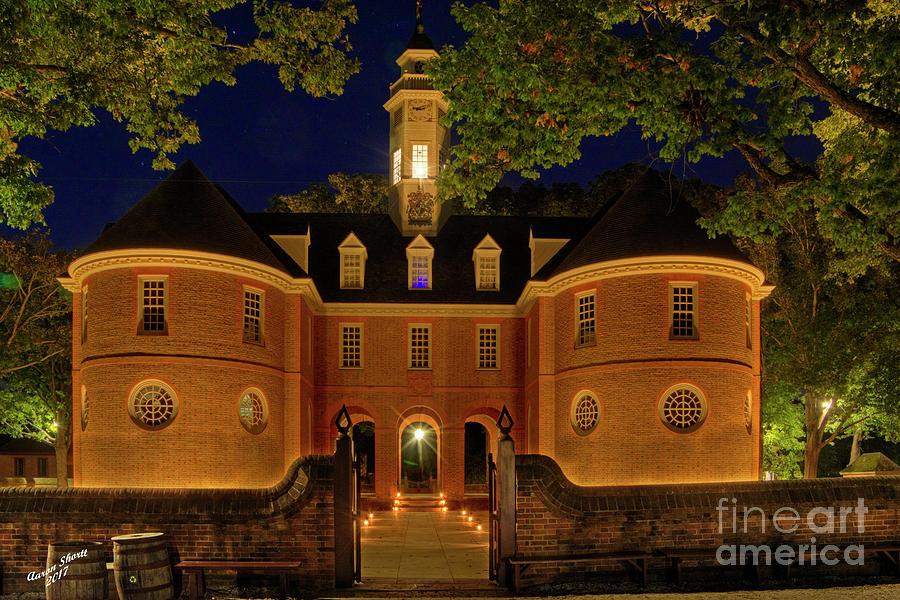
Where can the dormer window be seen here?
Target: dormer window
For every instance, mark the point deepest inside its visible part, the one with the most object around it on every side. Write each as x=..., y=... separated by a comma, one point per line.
x=486, y=257
x=353, y=263
x=419, y=254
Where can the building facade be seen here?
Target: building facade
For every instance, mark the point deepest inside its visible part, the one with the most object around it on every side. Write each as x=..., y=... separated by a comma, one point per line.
x=212, y=347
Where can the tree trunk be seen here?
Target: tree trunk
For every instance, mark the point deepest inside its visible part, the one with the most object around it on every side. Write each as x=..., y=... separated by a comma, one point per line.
x=814, y=428
x=63, y=426
x=856, y=448
x=811, y=458
x=62, y=468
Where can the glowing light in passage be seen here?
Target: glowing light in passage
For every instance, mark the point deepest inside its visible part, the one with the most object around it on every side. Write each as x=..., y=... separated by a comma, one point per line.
x=419, y=434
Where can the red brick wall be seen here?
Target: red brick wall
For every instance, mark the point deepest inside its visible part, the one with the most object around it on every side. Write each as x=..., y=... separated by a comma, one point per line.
x=204, y=359
x=556, y=517
x=630, y=367
x=293, y=520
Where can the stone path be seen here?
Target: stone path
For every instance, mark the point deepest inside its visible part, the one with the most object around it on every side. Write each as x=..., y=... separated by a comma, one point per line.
x=425, y=546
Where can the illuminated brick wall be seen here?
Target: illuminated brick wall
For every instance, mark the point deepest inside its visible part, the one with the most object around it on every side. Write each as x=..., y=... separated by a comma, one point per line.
x=293, y=520
x=556, y=517
x=632, y=364
x=205, y=361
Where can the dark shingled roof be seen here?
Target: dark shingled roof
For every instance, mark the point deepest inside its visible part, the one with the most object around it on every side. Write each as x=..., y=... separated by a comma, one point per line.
x=648, y=219
x=386, y=265
x=187, y=212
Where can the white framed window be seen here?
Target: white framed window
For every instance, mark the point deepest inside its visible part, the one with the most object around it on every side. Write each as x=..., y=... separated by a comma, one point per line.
x=486, y=257
x=683, y=310
x=748, y=319
x=84, y=313
x=351, y=345
x=586, y=319
x=43, y=464
x=152, y=404
x=488, y=346
x=419, y=255
x=85, y=407
x=253, y=411
x=396, y=166
x=748, y=411
x=353, y=257
x=420, y=161
x=153, y=302
x=19, y=466
x=254, y=312
x=585, y=412
x=419, y=345
x=682, y=408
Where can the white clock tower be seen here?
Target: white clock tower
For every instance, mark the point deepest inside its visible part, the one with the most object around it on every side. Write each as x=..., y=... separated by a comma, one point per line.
x=419, y=144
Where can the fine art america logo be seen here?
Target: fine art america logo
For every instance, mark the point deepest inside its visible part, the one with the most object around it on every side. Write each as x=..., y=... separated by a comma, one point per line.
x=786, y=520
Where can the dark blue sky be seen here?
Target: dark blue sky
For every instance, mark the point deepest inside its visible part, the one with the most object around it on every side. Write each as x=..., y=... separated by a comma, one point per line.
x=259, y=140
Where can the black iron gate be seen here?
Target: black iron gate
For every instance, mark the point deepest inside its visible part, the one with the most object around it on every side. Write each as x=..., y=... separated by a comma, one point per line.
x=356, y=511
x=493, y=521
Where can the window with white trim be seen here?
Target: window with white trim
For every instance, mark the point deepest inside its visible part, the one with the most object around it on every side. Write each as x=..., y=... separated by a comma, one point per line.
x=748, y=320
x=486, y=257
x=253, y=411
x=43, y=467
x=586, y=317
x=419, y=255
x=488, y=347
x=420, y=161
x=351, y=345
x=420, y=346
x=682, y=408
x=152, y=404
x=353, y=257
x=683, y=310
x=84, y=313
x=19, y=466
x=153, y=303
x=253, y=315
x=585, y=413
x=396, y=166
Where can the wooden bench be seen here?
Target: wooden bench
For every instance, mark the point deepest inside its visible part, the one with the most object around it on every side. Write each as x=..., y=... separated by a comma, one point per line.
x=674, y=558
x=195, y=569
x=635, y=560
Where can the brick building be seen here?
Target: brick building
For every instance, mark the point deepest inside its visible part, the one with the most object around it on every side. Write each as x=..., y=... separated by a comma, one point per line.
x=212, y=347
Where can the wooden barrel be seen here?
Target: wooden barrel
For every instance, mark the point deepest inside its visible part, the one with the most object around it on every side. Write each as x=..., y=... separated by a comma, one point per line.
x=75, y=571
x=142, y=567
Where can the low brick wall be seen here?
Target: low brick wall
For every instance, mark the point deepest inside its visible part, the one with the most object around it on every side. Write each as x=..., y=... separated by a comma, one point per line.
x=291, y=520
x=556, y=517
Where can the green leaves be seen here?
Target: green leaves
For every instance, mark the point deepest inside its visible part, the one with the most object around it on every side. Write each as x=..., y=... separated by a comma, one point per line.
x=702, y=79
x=139, y=60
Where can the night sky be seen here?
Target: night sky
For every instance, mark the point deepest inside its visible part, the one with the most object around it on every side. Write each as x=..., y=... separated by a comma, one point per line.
x=259, y=140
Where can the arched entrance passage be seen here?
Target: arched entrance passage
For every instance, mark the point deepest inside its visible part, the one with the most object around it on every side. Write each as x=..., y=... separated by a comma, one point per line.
x=419, y=452
x=363, y=434
x=480, y=440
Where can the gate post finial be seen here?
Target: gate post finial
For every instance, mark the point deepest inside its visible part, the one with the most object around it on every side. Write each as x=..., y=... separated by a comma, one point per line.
x=342, y=421
x=504, y=421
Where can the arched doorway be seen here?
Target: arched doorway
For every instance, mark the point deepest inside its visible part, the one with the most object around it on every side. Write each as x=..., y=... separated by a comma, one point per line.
x=363, y=434
x=476, y=451
x=419, y=459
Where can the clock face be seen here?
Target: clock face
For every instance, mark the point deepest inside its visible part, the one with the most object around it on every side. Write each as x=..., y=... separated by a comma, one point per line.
x=420, y=110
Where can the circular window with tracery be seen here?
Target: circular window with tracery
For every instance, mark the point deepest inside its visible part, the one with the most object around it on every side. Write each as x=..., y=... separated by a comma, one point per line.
x=585, y=413
x=153, y=404
x=682, y=408
x=253, y=412
x=84, y=408
x=748, y=412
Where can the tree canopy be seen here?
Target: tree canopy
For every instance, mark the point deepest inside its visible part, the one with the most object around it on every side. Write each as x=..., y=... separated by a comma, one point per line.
x=62, y=61
x=701, y=79
x=36, y=342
